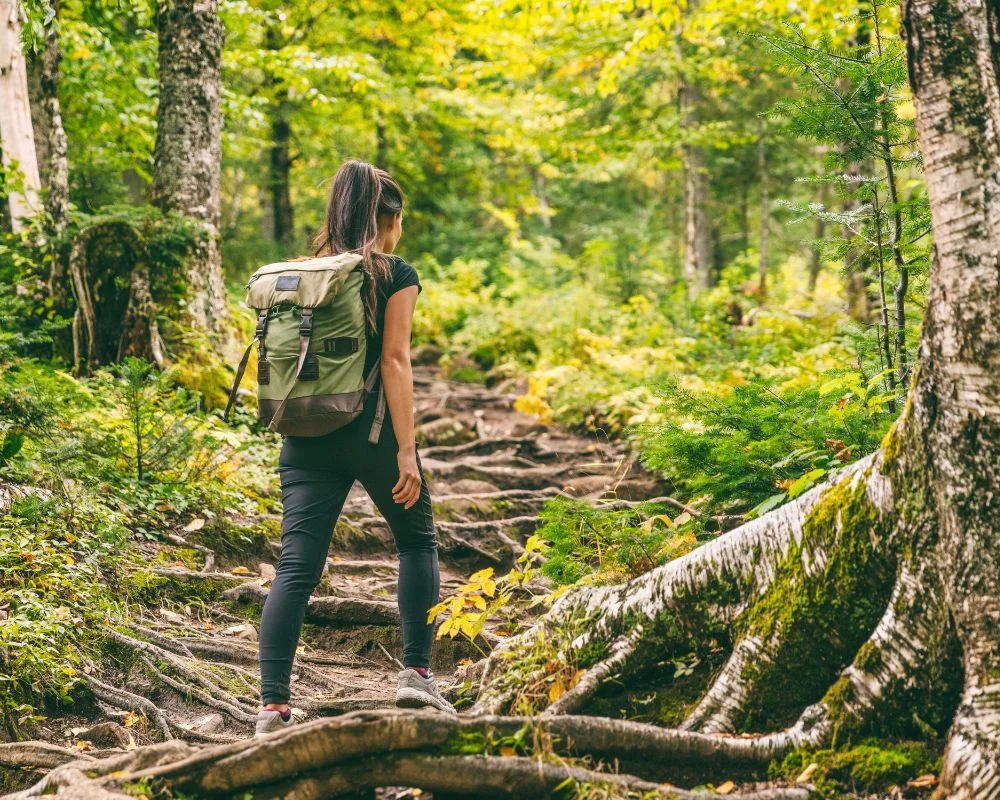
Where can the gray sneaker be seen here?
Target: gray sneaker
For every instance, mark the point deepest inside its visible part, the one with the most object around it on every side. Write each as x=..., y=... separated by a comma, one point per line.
x=271, y=722
x=416, y=691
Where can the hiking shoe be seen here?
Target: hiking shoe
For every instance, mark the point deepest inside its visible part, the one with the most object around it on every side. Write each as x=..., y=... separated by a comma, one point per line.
x=416, y=691
x=269, y=721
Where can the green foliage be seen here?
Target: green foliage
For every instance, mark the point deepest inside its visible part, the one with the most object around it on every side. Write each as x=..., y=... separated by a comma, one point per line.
x=587, y=541
x=758, y=443
x=62, y=560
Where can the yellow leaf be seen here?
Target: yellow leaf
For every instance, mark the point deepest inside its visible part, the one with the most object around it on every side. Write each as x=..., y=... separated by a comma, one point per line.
x=194, y=525
x=923, y=781
x=648, y=524
x=240, y=571
x=807, y=773
x=119, y=774
x=556, y=690
x=131, y=719
x=725, y=788
x=576, y=677
x=507, y=750
x=463, y=662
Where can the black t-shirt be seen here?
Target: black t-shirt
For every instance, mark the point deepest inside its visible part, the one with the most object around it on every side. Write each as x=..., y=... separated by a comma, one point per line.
x=403, y=275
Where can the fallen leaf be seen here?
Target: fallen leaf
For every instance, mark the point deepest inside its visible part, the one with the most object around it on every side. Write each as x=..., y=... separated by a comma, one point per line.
x=194, y=525
x=556, y=690
x=463, y=662
x=807, y=773
x=119, y=774
x=131, y=718
x=130, y=745
x=922, y=782
x=507, y=750
x=725, y=788
x=232, y=630
x=83, y=744
x=683, y=517
x=240, y=571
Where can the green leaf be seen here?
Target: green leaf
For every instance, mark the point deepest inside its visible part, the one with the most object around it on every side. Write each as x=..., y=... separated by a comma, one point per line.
x=805, y=482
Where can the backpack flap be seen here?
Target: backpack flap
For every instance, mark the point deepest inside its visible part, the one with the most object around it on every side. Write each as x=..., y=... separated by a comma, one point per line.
x=310, y=283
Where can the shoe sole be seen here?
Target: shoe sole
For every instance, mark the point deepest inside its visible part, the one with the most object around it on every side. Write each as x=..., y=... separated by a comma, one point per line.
x=412, y=698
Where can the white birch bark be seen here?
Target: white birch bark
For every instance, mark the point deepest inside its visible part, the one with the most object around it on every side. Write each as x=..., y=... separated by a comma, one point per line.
x=16, y=135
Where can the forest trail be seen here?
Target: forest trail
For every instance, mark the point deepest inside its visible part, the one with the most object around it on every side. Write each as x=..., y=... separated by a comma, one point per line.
x=187, y=660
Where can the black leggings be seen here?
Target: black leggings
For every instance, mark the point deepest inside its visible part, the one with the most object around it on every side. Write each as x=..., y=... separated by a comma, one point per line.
x=316, y=475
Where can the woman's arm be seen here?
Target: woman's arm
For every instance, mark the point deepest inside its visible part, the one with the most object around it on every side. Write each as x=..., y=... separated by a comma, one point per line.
x=397, y=380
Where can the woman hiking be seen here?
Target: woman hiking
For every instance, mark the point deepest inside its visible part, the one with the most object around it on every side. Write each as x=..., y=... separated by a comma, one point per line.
x=364, y=216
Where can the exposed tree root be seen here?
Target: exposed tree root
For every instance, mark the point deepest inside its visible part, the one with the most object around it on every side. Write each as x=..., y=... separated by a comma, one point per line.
x=120, y=698
x=421, y=749
x=38, y=754
x=718, y=710
x=621, y=650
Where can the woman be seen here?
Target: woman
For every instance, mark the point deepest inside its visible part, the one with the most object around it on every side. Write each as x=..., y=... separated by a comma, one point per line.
x=364, y=215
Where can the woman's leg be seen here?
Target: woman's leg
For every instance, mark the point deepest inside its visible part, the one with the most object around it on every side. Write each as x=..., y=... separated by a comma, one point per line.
x=312, y=501
x=416, y=542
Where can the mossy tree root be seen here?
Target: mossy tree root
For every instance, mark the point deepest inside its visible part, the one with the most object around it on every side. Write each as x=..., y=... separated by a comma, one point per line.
x=719, y=708
x=709, y=588
x=835, y=558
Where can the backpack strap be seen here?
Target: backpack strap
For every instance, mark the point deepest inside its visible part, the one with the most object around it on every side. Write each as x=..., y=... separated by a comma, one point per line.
x=305, y=333
x=258, y=338
x=376, y=431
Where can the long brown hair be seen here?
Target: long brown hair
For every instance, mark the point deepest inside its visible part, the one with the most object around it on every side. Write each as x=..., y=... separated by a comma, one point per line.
x=360, y=195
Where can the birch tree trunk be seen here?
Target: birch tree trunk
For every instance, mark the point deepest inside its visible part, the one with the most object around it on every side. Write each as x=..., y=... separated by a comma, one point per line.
x=953, y=50
x=697, y=227
x=189, y=143
x=16, y=136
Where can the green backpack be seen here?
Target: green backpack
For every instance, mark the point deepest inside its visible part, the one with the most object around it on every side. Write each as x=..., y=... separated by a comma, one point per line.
x=311, y=345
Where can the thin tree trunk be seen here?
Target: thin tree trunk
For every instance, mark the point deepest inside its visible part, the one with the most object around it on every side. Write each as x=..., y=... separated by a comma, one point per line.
x=697, y=229
x=280, y=220
x=541, y=196
x=279, y=177
x=16, y=135
x=765, y=213
x=189, y=145
x=816, y=254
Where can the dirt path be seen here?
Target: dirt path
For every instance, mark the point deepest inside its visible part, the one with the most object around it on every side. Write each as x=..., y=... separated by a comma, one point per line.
x=189, y=658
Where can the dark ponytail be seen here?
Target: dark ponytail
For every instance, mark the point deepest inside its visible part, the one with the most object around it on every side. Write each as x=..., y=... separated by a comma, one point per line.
x=360, y=195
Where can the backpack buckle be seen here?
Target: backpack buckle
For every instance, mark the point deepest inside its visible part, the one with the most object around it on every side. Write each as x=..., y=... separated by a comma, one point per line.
x=306, y=322
x=261, y=324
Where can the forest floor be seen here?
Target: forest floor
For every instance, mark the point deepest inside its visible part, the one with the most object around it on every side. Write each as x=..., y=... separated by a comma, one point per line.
x=184, y=664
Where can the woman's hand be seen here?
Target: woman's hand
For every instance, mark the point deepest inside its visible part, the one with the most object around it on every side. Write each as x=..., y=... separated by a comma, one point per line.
x=407, y=488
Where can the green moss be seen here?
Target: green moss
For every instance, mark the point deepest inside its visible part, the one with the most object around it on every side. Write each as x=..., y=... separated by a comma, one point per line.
x=868, y=657
x=870, y=766
x=843, y=598
x=187, y=556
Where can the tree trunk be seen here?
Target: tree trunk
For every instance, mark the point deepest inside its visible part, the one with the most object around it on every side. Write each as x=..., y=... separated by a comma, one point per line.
x=697, y=228
x=16, y=136
x=765, y=213
x=954, y=62
x=50, y=140
x=189, y=146
x=279, y=177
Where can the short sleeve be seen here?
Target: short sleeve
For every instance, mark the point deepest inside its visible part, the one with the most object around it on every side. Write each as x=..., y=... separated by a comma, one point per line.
x=403, y=276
